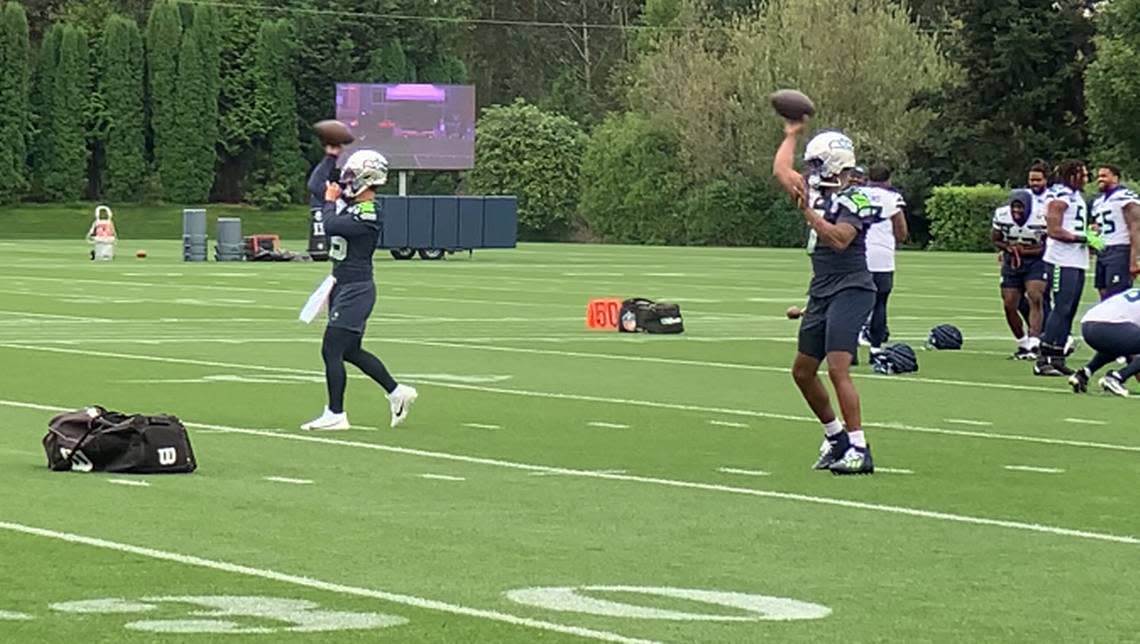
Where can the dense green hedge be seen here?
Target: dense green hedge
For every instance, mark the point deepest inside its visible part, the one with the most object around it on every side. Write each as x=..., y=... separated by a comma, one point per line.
x=960, y=216
x=137, y=222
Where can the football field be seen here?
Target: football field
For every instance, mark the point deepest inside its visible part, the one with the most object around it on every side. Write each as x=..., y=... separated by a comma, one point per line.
x=552, y=484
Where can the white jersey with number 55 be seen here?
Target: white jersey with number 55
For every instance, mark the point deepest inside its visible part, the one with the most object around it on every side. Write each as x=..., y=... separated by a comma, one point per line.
x=1108, y=213
x=1059, y=253
x=1123, y=308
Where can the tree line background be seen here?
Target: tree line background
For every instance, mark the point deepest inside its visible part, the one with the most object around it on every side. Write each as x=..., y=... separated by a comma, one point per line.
x=639, y=121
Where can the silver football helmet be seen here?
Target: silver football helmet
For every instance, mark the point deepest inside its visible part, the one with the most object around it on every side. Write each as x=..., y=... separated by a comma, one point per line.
x=364, y=169
x=827, y=155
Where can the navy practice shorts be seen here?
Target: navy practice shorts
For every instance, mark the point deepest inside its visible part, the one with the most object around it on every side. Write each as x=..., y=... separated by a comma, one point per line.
x=351, y=304
x=1033, y=269
x=833, y=323
x=1113, y=338
x=1112, y=269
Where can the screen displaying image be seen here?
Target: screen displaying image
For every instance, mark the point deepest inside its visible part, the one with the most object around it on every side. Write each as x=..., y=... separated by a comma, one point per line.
x=417, y=126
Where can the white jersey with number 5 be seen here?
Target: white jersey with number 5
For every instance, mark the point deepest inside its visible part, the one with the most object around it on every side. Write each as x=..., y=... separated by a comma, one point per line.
x=1108, y=212
x=1122, y=308
x=885, y=204
x=1059, y=253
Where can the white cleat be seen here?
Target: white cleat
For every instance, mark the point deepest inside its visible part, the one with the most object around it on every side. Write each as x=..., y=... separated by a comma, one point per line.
x=327, y=422
x=401, y=401
x=1112, y=384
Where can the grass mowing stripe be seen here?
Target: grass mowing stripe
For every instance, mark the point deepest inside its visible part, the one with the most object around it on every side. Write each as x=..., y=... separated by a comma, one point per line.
x=770, y=494
x=599, y=399
x=308, y=582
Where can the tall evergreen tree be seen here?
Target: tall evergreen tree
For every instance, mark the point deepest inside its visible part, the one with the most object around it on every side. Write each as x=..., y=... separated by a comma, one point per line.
x=277, y=96
x=388, y=64
x=1112, y=87
x=192, y=168
x=163, y=38
x=42, y=95
x=1021, y=96
x=121, y=86
x=65, y=177
x=15, y=54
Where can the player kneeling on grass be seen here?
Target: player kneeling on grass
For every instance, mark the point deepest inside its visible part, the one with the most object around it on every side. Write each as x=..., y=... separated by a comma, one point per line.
x=842, y=290
x=352, y=240
x=1112, y=329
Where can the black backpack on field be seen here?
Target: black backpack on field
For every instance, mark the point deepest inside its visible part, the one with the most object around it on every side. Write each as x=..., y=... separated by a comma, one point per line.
x=646, y=316
x=97, y=440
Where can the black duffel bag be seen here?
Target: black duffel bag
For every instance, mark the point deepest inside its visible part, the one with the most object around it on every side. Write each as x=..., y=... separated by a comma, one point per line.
x=646, y=316
x=97, y=440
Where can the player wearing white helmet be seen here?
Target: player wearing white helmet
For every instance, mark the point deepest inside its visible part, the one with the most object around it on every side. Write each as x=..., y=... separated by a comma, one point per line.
x=842, y=291
x=352, y=235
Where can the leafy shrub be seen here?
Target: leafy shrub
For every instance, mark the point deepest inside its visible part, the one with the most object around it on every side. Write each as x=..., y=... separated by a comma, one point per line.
x=960, y=216
x=524, y=151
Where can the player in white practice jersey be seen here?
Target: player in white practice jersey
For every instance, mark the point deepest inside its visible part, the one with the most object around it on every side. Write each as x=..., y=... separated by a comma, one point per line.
x=1019, y=233
x=1116, y=212
x=1112, y=328
x=888, y=228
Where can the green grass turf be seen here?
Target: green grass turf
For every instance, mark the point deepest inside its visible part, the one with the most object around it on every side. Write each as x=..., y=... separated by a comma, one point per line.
x=961, y=549
x=135, y=222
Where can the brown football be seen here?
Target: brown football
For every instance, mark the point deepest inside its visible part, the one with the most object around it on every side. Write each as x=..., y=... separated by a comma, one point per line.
x=333, y=132
x=792, y=105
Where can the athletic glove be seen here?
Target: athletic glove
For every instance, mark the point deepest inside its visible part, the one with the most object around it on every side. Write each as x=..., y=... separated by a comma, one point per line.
x=1094, y=240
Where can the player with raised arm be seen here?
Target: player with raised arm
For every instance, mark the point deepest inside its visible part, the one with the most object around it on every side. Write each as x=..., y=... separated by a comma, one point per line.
x=1112, y=329
x=888, y=228
x=1116, y=212
x=1067, y=257
x=353, y=233
x=842, y=291
x=1019, y=233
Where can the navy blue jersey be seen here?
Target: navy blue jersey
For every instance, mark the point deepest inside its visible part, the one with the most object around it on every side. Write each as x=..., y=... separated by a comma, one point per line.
x=836, y=270
x=352, y=239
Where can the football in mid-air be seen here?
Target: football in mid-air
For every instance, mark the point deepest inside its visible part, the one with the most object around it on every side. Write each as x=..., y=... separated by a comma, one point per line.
x=792, y=105
x=333, y=132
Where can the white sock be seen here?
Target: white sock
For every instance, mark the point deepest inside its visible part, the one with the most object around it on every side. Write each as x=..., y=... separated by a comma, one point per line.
x=833, y=428
x=1024, y=342
x=1034, y=343
x=857, y=439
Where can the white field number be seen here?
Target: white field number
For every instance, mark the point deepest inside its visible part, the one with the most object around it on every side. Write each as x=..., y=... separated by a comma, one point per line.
x=746, y=607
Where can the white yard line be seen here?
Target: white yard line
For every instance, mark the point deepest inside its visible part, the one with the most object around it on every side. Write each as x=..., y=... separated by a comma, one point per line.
x=603, y=425
x=893, y=470
x=1036, y=470
x=601, y=399
x=725, y=423
x=1084, y=421
x=481, y=426
x=442, y=477
x=673, y=483
x=592, y=471
x=733, y=470
x=132, y=483
x=964, y=421
x=285, y=479
x=309, y=582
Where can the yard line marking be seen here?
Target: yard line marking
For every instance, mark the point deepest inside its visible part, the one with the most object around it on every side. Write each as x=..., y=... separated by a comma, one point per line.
x=733, y=470
x=591, y=471
x=725, y=423
x=598, y=423
x=1038, y=470
x=442, y=477
x=480, y=426
x=129, y=482
x=284, y=479
x=1085, y=421
x=601, y=399
x=716, y=365
x=768, y=494
x=892, y=470
x=309, y=582
x=14, y=616
x=963, y=421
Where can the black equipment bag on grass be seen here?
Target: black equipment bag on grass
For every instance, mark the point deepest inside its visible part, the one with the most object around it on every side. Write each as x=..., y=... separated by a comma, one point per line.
x=97, y=440
x=646, y=316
